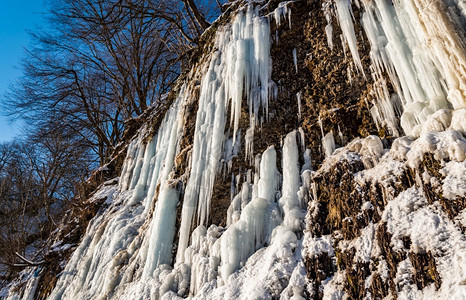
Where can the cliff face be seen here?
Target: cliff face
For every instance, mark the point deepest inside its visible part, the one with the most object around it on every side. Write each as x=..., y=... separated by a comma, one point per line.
x=232, y=187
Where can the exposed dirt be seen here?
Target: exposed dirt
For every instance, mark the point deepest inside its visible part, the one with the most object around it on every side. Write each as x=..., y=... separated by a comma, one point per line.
x=318, y=269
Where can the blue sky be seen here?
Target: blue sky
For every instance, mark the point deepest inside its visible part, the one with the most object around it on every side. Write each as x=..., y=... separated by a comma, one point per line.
x=16, y=17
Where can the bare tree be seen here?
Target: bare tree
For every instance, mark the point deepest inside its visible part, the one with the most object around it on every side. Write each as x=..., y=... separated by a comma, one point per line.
x=101, y=62
x=37, y=179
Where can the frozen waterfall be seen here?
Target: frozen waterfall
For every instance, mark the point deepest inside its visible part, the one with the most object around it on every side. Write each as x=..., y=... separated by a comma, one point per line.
x=154, y=239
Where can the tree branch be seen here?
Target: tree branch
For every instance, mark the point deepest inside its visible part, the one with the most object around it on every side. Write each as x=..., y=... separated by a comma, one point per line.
x=190, y=5
x=29, y=263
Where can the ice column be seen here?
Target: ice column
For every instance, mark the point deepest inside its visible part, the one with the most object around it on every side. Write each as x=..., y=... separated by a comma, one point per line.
x=289, y=203
x=162, y=228
x=255, y=225
x=207, y=150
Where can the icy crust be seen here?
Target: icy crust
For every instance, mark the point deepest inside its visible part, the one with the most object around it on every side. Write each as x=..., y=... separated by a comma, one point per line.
x=420, y=45
x=407, y=215
x=27, y=278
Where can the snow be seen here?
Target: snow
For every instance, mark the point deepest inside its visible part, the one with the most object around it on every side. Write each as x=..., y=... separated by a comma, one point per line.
x=364, y=244
x=454, y=185
x=429, y=230
x=333, y=287
x=443, y=145
x=317, y=246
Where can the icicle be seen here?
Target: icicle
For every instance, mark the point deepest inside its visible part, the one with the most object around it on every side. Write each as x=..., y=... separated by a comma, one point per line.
x=289, y=200
x=276, y=13
x=298, y=96
x=249, y=145
x=139, y=161
x=241, y=67
x=282, y=11
x=307, y=161
x=319, y=121
x=344, y=13
x=340, y=135
x=328, y=144
x=129, y=164
x=207, y=150
x=343, y=45
x=424, y=67
x=247, y=64
x=140, y=189
x=295, y=60
x=273, y=89
x=302, y=139
x=329, y=32
x=348, y=72
x=289, y=17
x=326, y=7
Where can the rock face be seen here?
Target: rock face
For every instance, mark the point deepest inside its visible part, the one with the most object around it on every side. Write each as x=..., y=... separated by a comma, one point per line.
x=233, y=188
